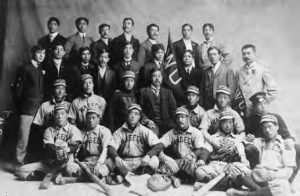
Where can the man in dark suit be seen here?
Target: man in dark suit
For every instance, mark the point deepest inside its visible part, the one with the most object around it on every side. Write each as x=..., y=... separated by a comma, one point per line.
x=56, y=68
x=48, y=41
x=117, y=45
x=83, y=67
x=103, y=43
x=158, y=103
x=145, y=54
x=29, y=96
x=184, y=44
x=106, y=78
x=78, y=40
x=127, y=63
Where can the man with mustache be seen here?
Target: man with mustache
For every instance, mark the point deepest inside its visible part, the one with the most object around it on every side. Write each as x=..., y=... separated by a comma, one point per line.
x=253, y=78
x=145, y=54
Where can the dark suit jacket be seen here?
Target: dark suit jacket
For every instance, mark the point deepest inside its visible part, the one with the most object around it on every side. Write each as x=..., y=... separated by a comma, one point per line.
x=144, y=74
x=167, y=105
x=52, y=74
x=117, y=48
x=144, y=54
x=120, y=67
x=179, y=48
x=45, y=43
x=106, y=87
x=97, y=46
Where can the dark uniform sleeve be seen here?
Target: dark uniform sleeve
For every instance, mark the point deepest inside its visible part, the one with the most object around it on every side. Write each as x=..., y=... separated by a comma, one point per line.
x=283, y=130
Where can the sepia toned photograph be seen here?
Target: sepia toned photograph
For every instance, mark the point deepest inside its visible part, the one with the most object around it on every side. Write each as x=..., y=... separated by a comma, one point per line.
x=149, y=98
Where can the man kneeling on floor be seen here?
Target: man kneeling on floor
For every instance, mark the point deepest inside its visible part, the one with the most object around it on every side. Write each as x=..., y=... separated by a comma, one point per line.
x=61, y=140
x=129, y=146
x=228, y=154
x=276, y=165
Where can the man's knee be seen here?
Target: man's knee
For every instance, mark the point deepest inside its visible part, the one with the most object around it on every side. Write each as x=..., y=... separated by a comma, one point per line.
x=72, y=169
x=252, y=154
x=154, y=162
x=102, y=170
x=201, y=173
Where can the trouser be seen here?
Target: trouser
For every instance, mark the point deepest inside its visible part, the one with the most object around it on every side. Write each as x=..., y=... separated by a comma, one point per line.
x=252, y=155
x=215, y=168
x=23, y=135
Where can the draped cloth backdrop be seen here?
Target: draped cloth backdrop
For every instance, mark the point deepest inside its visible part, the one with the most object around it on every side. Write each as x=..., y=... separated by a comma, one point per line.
x=269, y=24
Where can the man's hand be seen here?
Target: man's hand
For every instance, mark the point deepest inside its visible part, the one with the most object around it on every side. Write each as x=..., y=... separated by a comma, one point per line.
x=150, y=124
x=199, y=163
x=62, y=153
x=145, y=160
x=289, y=143
x=245, y=162
x=119, y=162
x=250, y=138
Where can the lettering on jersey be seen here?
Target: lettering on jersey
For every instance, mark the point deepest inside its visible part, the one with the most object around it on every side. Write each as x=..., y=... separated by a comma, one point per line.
x=61, y=137
x=180, y=138
x=84, y=107
x=92, y=140
x=272, y=147
x=195, y=120
x=132, y=137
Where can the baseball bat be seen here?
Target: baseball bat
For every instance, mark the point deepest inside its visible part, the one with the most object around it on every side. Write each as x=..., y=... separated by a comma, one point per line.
x=204, y=189
x=95, y=179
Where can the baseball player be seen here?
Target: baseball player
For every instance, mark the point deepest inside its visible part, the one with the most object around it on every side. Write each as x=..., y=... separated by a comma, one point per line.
x=95, y=139
x=276, y=164
x=131, y=144
x=79, y=106
x=61, y=140
x=210, y=124
x=185, y=144
x=196, y=112
x=229, y=155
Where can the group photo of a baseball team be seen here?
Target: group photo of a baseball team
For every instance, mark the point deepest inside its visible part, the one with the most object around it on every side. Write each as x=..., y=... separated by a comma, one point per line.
x=107, y=110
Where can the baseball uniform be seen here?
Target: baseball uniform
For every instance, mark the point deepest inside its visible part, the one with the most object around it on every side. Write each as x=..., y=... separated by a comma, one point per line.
x=196, y=115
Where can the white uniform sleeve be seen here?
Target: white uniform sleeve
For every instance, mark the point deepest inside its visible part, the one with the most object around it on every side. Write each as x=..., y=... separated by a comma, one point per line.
x=166, y=139
x=151, y=138
x=106, y=137
x=39, y=117
x=116, y=140
x=48, y=137
x=75, y=134
x=73, y=111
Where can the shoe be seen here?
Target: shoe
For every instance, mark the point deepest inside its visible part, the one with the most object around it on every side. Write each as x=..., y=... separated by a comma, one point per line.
x=235, y=192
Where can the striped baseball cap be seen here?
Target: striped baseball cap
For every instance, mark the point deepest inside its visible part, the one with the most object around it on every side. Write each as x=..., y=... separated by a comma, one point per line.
x=223, y=89
x=134, y=106
x=269, y=118
x=128, y=74
x=86, y=76
x=193, y=89
x=59, y=82
x=181, y=110
x=226, y=115
x=61, y=106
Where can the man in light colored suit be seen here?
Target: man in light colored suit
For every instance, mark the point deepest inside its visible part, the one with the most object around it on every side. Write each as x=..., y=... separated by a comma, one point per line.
x=144, y=54
x=215, y=75
x=253, y=78
x=78, y=40
x=208, y=32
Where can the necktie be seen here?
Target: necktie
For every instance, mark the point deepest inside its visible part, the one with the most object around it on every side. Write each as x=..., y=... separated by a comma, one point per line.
x=188, y=71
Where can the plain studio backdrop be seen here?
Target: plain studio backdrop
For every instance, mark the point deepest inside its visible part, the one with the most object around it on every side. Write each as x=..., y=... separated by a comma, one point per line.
x=271, y=25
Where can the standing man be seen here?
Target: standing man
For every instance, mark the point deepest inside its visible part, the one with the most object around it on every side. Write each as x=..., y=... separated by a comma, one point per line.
x=103, y=43
x=29, y=96
x=48, y=41
x=78, y=40
x=208, y=32
x=215, y=75
x=118, y=42
x=253, y=78
x=145, y=54
x=158, y=103
x=184, y=44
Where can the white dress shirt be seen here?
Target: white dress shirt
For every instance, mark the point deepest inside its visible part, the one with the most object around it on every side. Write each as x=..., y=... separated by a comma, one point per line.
x=102, y=71
x=188, y=44
x=53, y=36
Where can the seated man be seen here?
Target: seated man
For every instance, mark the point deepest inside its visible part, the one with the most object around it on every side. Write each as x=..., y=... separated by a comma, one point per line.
x=95, y=139
x=210, y=124
x=79, y=106
x=185, y=146
x=229, y=155
x=276, y=165
x=131, y=144
x=196, y=112
x=61, y=140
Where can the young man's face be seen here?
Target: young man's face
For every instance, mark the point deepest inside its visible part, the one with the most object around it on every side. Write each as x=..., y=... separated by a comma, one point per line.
x=182, y=121
x=60, y=117
x=270, y=130
x=159, y=55
x=52, y=27
x=227, y=126
x=86, y=56
x=187, y=59
x=192, y=99
x=129, y=83
x=104, y=59
x=39, y=55
x=104, y=32
x=127, y=26
x=208, y=32
x=82, y=26
x=153, y=33
x=59, y=92
x=92, y=120
x=128, y=51
x=223, y=100
x=59, y=52
x=156, y=78
x=88, y=86
x=261, y=107
x=214, y=56
x=187, y=32
x=133, y=117
x=248, y=55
